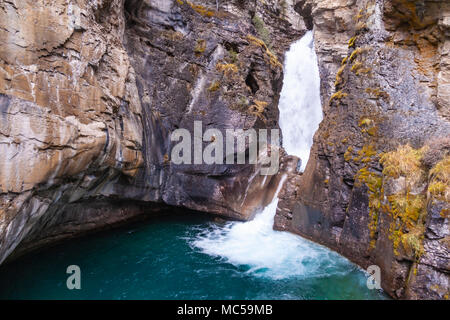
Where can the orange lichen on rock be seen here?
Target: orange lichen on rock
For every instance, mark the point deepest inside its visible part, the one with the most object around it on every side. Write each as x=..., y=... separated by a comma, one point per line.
x=273, y=59
x=406, y=207
x=227, y=68
x=339, y=75
x=200, y=47
x=439, y=185
x=338, y=95
x=258, y=108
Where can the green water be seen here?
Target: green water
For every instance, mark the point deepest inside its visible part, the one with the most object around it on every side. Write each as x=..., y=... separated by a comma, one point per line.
x=157, y=260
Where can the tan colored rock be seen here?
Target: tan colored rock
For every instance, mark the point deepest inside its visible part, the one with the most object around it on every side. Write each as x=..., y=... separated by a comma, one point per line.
x=63, y=78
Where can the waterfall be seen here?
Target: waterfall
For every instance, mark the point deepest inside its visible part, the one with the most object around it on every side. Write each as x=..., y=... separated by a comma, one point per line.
x=300, y=105
x=269, y=253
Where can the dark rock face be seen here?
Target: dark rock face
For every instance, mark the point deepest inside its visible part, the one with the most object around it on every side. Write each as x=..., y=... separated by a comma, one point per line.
x=91, y=91
x=200, y=67
x=369, y=191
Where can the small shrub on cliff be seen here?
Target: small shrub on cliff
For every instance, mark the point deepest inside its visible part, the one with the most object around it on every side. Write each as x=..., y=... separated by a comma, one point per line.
x=355, y=53
x=200, y=47
x=201, y=9
x=407, y=228
x=339, y=75
x=258, y=108
x=407, y=207
x=348, y=154
x=368, y=126
x=273, y=59
x=377, y=93
x=241, y=104
x=440, y=179
x=338, y=95
x=405, y=161
x=227, y=68
x=365, y=122
x=233, y=55
x=261, y=29
x=351, y=42
x=214, y=86
x=358, y=68
x=366, y=154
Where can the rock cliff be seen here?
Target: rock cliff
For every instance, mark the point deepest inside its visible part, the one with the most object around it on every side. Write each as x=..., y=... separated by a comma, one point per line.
x=376, y=187
x=91, y=90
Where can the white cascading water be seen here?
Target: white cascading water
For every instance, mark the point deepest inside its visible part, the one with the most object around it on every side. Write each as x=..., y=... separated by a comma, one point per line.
x=300, y=106
x=269, y=253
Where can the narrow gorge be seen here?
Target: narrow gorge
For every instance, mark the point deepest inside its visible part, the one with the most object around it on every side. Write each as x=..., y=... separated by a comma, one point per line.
x=92, y=91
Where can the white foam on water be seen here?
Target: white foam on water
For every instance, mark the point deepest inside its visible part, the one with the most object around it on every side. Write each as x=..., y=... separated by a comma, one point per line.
x=300, y=106
x=267, y=252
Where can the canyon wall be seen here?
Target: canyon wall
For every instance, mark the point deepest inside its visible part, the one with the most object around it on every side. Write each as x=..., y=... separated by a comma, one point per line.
x=91, y=90
x=376, y=187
